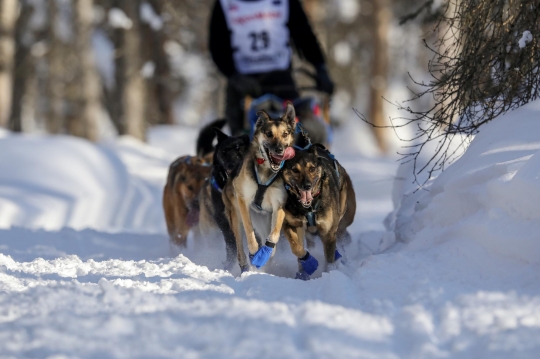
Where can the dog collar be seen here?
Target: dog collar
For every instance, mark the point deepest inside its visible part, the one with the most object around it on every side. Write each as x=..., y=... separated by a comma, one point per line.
x=260, y=160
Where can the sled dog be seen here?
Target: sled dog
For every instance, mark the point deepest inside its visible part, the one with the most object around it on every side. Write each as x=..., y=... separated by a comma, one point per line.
x=180, y=196
x=256, y=195
x=229, y=153
x=320, y=199
x=205, y=140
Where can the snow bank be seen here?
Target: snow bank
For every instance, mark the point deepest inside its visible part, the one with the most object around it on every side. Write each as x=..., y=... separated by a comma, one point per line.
x=57, y=181
x=489, y=196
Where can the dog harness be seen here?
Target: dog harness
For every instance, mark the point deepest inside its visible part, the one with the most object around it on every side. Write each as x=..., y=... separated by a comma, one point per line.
x=215, y=185
x=310, y=216
x=300, y=129
x=262, y=187
x=188, y=161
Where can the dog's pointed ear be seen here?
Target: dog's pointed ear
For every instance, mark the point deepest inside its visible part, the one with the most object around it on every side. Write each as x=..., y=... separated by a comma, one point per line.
x=245, y=139
x=220, y=135
x=290, y=115
x=263, y=118
x=313, y=150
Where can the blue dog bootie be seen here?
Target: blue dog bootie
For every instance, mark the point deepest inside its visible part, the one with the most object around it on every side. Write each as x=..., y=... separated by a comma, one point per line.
x=262, y=256
x=302, y=275
x=309, y=263
x=337, y=255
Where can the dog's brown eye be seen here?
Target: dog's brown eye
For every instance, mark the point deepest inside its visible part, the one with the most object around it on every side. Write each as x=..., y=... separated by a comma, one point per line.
x=312, y=169
x=296, y=170
x=285, y=134
x=190, y=188
x=269, y=134
x=182, y=178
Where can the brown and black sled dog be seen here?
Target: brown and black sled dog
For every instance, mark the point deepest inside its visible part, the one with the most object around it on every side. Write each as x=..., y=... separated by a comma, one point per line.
x=256, y=195
x=321, y=199
x=180, y=196
x=228, y=155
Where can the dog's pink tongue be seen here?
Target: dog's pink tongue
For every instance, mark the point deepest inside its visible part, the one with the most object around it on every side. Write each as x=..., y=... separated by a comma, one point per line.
x=305, y=196
x=289, y=153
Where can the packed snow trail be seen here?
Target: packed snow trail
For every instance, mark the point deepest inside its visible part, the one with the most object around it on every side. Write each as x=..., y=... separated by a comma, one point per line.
x=111, y=287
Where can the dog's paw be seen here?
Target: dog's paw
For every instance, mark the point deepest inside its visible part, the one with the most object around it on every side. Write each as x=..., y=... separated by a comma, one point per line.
x=262, y=256
x=339, y=258
x=244, y=269
x=309, y=263
x=302, y=275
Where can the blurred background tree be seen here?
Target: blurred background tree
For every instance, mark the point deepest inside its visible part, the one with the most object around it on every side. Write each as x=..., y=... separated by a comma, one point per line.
x=99, y=68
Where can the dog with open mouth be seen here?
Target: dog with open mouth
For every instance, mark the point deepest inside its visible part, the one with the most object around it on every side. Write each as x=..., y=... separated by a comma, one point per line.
x=180, y=196
x=228, y=154
x=256, y=195
x=322, y=200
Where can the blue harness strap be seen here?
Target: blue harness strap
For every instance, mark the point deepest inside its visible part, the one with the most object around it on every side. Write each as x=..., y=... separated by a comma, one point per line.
x=215, y=185
x=300, y=129
x=310, y=216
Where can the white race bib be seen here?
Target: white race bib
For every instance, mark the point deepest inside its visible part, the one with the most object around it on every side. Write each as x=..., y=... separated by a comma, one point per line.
x=260, y=36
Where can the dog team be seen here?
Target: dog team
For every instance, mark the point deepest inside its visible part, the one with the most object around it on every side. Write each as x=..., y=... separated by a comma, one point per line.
x=265, y=187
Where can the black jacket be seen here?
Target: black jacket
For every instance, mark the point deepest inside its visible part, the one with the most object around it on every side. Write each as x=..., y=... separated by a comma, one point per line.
x=301, y=34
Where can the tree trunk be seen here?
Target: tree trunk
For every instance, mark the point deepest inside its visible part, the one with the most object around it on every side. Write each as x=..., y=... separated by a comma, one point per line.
x=87, y=101
x=379, y=71
x=130, y=88
x=8, y=17
x=23, y=70
x=162, y=73
x=54, y=91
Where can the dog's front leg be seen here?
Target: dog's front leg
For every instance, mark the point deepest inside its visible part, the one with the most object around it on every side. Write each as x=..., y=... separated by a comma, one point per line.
x=330, y=251
x=307, y=264
x=328, y=233
x=243, y=207
x=278, y=216
x=235, y=226
x=265, y=252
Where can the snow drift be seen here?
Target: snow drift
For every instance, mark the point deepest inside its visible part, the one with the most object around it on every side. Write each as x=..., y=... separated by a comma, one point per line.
x=59, y=181
x=489, y=196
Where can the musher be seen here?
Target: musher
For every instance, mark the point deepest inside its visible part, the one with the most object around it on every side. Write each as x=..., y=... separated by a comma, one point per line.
x=250, y=42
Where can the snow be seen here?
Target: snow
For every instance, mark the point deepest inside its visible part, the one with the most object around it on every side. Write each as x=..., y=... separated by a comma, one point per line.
x=119, y=19
x=525, y=39
x=148, y=69
x=104, y=56
x=86, y=270
x=149, y=16
x=342, y=53
x=53, y=182
x=348, y=10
